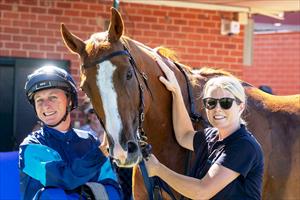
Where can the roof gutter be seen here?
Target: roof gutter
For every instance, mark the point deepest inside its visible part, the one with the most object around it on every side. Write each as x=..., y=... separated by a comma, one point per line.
x=182, y=4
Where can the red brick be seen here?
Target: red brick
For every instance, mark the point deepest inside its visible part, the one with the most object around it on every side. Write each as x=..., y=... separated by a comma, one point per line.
x=37, y=54
x=55, y=11
x=70, y=12
x=62, y=19
x=12, y=45
x=6, y=22
x=174, y=14
x=45, y=33
x=5, y=7
x=30, y=46
x=216, y=45
x=194, y=23
x=158, y=27
x=210, y=24
x=159, y=13
x=19, y=53
x=5, y=37
x=80, y=6
x=144, y=11
x=23, y=8
x=38, y=25
x=38, y=10
x=230, y=46
x=10, y=15
x=194, y=50
x=25, y=16
x=46, y=48
x=172, y=42
x=98, y=8
x=11, y=30
x=189, y=15
x=53, y=26
x=150, y=19
x=63, y=5
x=53, y=55
x=172, y=28
x=180, y=22
x=202, y=30
x=208, y=51
x=5, y=52
x=20, y=38
x=37, y=39
x=88, y=14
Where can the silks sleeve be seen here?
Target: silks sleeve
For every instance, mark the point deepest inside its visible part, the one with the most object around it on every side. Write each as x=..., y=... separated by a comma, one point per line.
x=45, y=165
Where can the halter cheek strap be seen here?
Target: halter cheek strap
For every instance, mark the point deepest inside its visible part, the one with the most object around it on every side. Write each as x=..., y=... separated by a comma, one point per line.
x=138, y=74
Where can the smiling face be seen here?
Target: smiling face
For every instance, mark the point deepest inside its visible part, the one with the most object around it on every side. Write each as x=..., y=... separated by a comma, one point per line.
x=226, y=120
x=50, y=106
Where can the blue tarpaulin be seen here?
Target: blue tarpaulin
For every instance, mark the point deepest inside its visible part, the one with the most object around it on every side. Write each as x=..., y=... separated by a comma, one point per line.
x=9, y=176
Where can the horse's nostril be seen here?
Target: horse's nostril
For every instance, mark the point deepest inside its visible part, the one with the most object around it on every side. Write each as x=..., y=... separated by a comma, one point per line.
x=132, y=147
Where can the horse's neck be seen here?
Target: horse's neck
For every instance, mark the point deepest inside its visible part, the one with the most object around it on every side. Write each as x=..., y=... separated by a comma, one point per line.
x=158, y=124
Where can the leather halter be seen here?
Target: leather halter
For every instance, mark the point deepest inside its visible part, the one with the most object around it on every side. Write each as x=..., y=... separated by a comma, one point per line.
x=142, y=136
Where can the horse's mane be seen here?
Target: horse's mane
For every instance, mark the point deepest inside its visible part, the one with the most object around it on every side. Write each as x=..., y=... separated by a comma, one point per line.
x=167, y=53
x=211, y=72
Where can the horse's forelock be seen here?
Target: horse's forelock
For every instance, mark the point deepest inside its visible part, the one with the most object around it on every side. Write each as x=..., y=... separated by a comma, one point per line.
x=97, y=42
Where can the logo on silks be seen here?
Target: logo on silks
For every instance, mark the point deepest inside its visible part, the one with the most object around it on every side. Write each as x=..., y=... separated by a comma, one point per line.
x=44, y=84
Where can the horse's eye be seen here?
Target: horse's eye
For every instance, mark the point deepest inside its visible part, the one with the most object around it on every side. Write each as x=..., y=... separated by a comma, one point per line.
x=129, y=74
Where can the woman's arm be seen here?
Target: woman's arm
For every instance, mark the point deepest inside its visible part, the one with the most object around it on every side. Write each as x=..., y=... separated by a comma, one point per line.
x=213, y=182
x=182, y=124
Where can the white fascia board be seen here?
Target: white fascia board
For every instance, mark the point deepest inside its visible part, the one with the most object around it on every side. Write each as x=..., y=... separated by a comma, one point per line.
x=182, y=4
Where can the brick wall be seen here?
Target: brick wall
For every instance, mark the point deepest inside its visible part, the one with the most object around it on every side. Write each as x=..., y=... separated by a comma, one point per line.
x=31, y=29
x=276, y=62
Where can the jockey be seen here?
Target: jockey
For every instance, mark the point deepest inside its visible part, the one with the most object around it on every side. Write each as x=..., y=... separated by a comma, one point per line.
x=58, y=161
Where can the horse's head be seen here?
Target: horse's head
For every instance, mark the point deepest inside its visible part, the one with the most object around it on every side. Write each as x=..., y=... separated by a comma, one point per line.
x=109, y=78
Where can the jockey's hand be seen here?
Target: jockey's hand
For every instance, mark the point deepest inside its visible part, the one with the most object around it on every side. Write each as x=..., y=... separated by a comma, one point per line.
x=152, y=165
x=170, y=82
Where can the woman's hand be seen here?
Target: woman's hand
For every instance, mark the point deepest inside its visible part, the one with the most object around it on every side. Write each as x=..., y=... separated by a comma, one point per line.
x=152, y=165
x=171, y=82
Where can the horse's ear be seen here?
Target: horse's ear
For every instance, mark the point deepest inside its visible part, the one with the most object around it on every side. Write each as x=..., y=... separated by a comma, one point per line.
x=115, y=30
x=74, y=43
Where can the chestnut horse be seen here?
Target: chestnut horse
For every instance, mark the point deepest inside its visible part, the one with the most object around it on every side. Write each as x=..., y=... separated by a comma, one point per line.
x=120, y=76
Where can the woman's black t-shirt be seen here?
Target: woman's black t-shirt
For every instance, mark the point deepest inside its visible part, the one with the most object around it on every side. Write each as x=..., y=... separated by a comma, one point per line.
x=239, y=152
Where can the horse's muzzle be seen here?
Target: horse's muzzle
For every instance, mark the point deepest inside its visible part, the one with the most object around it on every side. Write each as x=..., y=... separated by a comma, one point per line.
x=128, y=157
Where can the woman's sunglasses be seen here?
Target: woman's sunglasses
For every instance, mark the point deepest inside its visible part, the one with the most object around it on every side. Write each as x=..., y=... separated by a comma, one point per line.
x=225, y=103
x=91, y=111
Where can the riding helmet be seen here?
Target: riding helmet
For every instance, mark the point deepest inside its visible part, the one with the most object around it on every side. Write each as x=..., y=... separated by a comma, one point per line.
x=48, y=77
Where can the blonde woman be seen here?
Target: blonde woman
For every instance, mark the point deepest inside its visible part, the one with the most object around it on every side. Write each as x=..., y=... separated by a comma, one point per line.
x=233, y=167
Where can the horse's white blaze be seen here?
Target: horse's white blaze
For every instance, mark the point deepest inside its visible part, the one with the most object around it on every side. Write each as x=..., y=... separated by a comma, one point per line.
x=108, y=94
